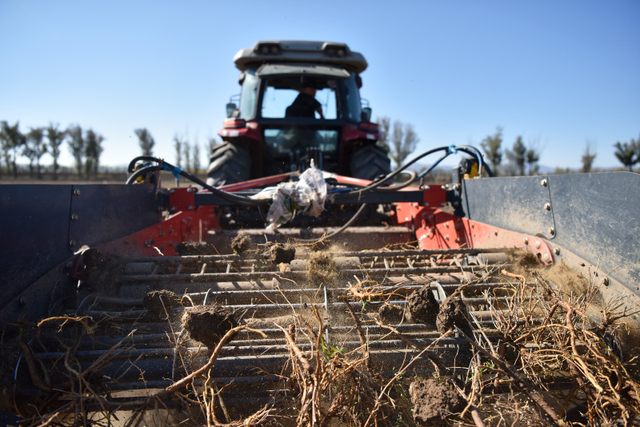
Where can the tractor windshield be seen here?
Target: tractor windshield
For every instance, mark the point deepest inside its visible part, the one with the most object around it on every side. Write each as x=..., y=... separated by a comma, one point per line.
x=288, y=98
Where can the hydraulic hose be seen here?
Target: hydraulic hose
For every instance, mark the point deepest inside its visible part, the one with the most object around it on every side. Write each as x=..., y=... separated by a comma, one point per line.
x=162, y=165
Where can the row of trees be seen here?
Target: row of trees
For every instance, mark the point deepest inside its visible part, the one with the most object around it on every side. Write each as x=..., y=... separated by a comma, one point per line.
x=187, y=155
x=522, y=159
x=85, y=147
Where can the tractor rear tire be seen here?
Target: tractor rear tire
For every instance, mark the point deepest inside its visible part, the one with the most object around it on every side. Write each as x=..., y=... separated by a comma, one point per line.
x=369, y=162
x=229, y=163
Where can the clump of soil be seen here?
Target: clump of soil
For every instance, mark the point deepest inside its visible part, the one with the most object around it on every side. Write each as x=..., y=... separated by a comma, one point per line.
x=321, y=266
x=240, y=244
x=209, y=323
x=101, y=271
x=390, y=313
x=281, y=253
x=433, y=400
x=195, y=248
x=157, y=301
x=422, y=306
x=452, y=312
x=568, y=279
x=528, y=259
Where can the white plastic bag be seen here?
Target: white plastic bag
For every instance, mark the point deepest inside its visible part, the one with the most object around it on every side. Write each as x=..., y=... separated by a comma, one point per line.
x=307, y=195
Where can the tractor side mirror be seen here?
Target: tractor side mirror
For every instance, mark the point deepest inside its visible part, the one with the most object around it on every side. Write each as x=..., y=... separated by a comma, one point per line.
x=231, y=107
x=366, y=114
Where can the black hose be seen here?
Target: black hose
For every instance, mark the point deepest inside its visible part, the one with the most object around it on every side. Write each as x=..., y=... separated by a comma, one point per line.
x=379, y=182
x=396, y=187
x=140, y=172
x=233, y=198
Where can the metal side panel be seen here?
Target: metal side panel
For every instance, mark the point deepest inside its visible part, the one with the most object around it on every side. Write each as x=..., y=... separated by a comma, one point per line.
x=34, y=225
x=596, y=216
x=107, y=212
x=513, y=203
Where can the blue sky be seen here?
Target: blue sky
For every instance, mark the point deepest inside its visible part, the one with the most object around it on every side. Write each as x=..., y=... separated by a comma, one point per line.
x=558, y=73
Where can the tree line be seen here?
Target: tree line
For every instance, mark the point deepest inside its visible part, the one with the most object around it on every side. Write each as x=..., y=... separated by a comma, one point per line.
x=401, y=140
x=85, y=146
x=523, y=160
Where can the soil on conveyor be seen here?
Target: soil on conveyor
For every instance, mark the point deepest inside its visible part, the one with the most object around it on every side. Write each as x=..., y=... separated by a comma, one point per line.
x=157, y=302
x=100, y=270
x=453, y=312
x=241, y=244
x=195, y=248
x=390, y=314
x=209, y=323
x=422, y=306
x=321, y=267
x=282, y=254
x=434, y=399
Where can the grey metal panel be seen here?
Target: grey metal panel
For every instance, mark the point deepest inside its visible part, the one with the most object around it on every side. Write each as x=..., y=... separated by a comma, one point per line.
x=513, y=203
x=598, y=217
x=595, y=216
x=107, y=212
x=34, y=225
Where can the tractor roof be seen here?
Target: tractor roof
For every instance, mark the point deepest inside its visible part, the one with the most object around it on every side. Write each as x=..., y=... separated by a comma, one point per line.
x=275, y=51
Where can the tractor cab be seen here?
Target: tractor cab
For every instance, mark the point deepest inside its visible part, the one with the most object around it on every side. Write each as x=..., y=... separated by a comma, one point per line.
x=299, y=101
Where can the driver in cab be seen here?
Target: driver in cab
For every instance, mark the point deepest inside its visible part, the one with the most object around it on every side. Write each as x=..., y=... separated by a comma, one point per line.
x=305, y=104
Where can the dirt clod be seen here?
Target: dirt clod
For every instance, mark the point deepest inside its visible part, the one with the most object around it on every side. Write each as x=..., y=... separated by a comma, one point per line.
x=241, y=244
x=157, y=301
x=321, y=266
x=390, y=314
x=434, y=399
x=208, y=323
x=281, y=253
x=452, y=312
x=422, y=306
x=195, y=248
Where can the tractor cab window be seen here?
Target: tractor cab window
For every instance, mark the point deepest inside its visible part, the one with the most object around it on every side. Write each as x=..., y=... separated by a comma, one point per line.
x=291, y=97
x=249, y=96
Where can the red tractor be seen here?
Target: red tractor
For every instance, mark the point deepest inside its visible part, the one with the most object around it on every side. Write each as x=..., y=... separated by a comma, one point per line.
x=300, y=100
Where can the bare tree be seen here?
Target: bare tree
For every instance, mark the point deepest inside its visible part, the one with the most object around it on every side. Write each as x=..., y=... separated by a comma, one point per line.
x=186, y=152
x=12, y=139
x=76, y=146
x=196, y=157
x=589, y=156
x=33, y=147
x=491, y=146
x=404, y=142
x=178, y=146
x=93, y=150
x=146, y=141
x=384, y=124
x=628, y=153
x=56, y=138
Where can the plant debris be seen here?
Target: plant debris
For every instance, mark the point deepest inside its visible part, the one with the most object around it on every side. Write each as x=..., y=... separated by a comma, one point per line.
x=241, y=244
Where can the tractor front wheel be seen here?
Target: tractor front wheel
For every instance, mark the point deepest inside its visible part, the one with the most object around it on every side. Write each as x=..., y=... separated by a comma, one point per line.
x=229, y=163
